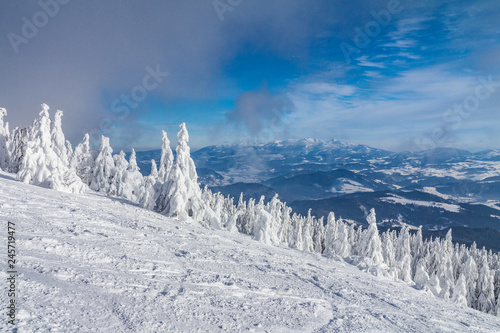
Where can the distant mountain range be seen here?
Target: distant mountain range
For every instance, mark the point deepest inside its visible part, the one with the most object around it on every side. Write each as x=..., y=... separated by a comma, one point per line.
x=437, y=188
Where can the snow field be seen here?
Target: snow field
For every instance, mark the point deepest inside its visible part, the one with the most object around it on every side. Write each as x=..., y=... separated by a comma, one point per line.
x=90, y=263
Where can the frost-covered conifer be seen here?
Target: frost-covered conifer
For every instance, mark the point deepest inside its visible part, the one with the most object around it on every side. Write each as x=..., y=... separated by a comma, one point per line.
x=330, y=234
x=182, y=191
x=263, y=230
x=307, y=229
x=341, y=244
x=296, y=239
x=403, y=255
x=41, y=166
x=421, y=277
x=119, y=170
x=17, y=146
x=471, y=274
x=460, y=291
x=370, y=244
x=131, y=182
x=485, y=289
x=147, y=199
x=417, y=245
x=58, y=140
x=83, y=161
x=4, y=139
x=167, y=158
x=104, y=169
x=388, y=249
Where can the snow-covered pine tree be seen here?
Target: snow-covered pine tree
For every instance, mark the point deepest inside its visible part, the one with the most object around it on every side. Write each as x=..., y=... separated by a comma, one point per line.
x=131, y=185
x=4, y=140
x=286, y=224
x=121, y=165
x=388, y=249
x=154, y=170
x=104, y=169
x=330, y=234
x=296, y=236
x=485, y=289
x=421, y=277
x=58, y=140
x=39, y=156
x=319, y=235
x=370, y=244
x=17, y=147
x=460, y=291
x=167, y=158
x=83, y=161
x=417, y=245
x=471, y=274
x=354, y=239
x=263, y=227
x=341, y=244
x=183, y=192
x=307, y=229
x=403, y=255
x=148, y=198
x=236, y=219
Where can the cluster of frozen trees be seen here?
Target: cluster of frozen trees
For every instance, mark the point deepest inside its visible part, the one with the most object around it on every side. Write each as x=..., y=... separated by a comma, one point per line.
x=40, y=155
x=466, y=276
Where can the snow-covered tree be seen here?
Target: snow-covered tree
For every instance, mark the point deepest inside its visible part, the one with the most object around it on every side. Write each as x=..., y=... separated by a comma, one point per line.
x=330, y=234
x=131, y=182
x=471, y=274
x=307, y=229
x=485, y=289
x=147, y=199
x=17, y=147
x=388, y=249
x=41, y=166
x=342, y=245
x=403, y=255
x=460, y=291
x=263, y=228
x=58, y=139
x=4, y=139
x=371, y=246
x=417, y=246
x=182, y=191
x=104, y=169
x=296, y=236
x=167, y=158
x=83, y=160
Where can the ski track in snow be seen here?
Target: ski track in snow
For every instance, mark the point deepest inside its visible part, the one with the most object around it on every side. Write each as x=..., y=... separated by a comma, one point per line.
x=88, y=263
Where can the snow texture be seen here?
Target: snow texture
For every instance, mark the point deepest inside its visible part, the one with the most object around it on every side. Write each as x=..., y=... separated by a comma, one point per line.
x=90, y=263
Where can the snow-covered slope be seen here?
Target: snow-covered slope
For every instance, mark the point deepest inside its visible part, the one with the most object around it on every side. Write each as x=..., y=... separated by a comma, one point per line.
x=96, y=264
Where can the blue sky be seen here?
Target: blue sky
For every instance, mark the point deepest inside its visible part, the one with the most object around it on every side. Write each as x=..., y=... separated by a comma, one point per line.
x=390, y=74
